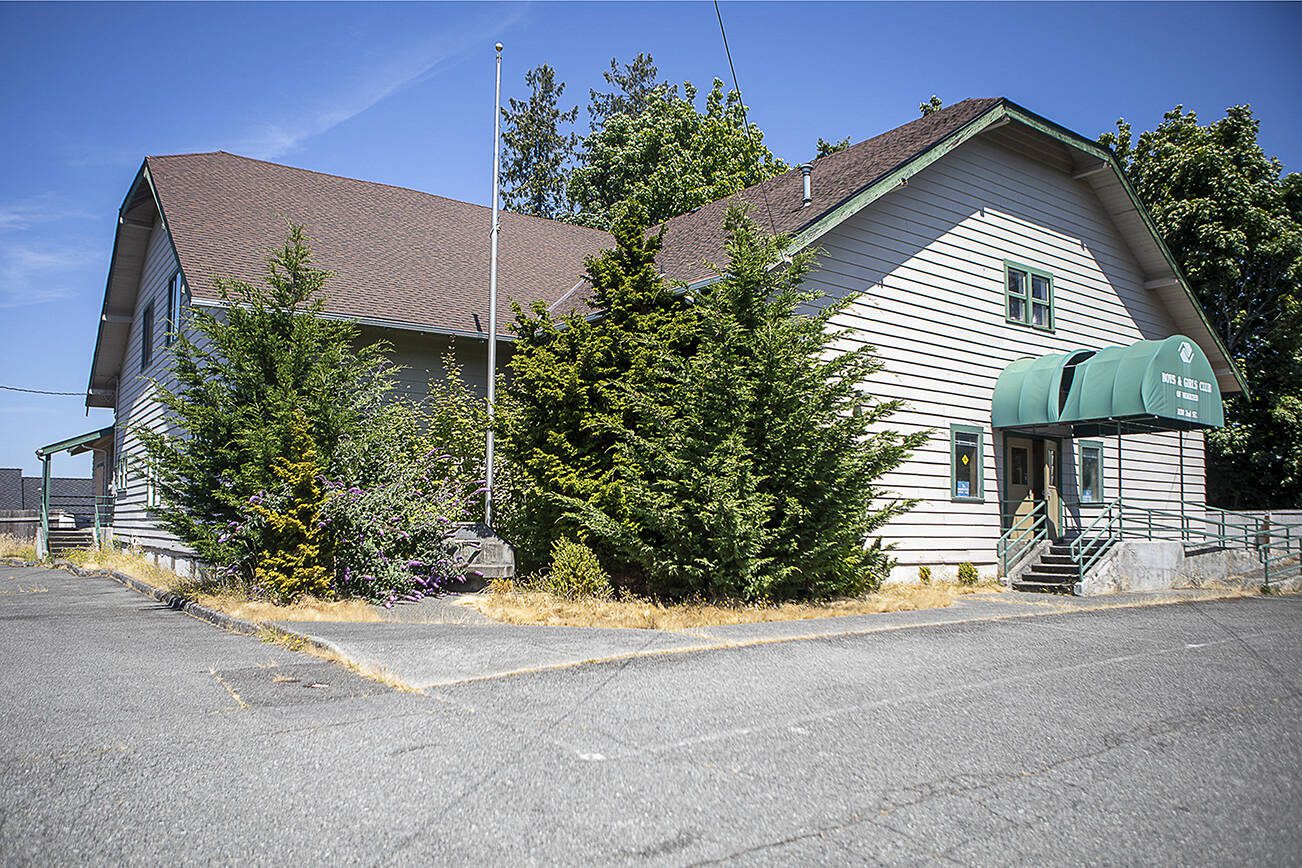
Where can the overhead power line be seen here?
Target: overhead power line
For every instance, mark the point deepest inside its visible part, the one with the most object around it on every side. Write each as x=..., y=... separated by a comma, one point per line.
x=750, y=136
x=42, y=391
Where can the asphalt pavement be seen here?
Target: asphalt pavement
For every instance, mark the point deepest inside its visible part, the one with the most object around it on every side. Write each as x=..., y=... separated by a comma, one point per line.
x=132, y=733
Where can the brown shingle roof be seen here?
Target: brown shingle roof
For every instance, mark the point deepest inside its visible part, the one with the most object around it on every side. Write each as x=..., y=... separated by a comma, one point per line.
x=695, y=238
x=397, y=255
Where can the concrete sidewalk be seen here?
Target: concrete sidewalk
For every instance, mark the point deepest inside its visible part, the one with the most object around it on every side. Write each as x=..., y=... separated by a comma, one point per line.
x=439, y=643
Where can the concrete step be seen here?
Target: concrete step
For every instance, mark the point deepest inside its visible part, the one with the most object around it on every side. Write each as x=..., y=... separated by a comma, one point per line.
x=1044, y=566
x=66, y=539
x=1035, y=574
x=1043, y=587
x=1057, y=559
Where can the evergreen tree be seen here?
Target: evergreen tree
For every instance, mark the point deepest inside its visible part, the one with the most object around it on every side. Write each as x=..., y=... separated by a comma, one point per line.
x=246, y=378
x=711, y=448
x=537, y=150
x=566, y=395
x=825, y=148
x=295, y=558
x=631, y=87
x=1235, y=226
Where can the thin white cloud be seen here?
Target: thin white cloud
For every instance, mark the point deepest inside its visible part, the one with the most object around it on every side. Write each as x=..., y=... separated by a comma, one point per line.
x=372, y=86
x=33, y=274
x=19, y=214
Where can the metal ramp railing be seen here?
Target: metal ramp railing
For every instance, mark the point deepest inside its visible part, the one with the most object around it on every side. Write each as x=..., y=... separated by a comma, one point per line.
x=1278, y=545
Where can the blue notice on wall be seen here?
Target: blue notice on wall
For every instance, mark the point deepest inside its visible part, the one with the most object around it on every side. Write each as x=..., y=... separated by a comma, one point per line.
x=963, y=489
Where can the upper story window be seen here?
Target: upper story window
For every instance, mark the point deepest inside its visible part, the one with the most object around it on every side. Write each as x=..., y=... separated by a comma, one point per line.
x=175, y=295
x=147, y=337
x=1028, y=296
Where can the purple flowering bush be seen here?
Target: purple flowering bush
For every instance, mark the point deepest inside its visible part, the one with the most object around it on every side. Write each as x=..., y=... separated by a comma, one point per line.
x=391, y=509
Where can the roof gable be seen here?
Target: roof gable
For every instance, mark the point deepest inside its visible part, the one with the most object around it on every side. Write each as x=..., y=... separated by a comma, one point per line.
x=846, y=182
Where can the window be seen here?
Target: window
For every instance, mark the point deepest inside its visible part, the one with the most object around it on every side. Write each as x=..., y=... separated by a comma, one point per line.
x=152, y=499
x=175, y=289
x=965, y=460
x=1028, y=295
x=1091, y=472
x=120, y=476
x=147, y=337
x=1020, y=473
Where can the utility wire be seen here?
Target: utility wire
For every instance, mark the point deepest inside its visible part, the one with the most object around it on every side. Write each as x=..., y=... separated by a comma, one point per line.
x=773, y=226
x=41, y=391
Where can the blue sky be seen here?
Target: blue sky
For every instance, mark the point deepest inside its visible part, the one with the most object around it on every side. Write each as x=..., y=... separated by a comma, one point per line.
x=403, y=94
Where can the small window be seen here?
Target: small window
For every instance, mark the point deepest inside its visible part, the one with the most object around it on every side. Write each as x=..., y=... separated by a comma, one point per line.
x=175, y=291
x=1028, y=295
x=152, y=500
x=1091, y=472
x=147, y=337
x=1021, y=466
x=120, y=476
x=965, y=452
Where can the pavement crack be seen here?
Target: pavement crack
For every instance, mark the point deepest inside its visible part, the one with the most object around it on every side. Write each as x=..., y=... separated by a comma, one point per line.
x=240, y=704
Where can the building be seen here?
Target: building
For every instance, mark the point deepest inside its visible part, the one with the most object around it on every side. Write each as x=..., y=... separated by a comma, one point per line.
x=1024, y=306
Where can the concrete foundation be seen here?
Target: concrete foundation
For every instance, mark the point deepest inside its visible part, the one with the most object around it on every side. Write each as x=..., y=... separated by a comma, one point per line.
x=1144, y=565
x=485, y=552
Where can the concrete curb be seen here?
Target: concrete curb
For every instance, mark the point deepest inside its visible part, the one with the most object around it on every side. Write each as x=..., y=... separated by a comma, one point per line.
x=187, y=606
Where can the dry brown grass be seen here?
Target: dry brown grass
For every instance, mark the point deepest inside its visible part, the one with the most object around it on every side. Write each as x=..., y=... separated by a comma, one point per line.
x=513, y=606
x=227, y=600
x=276, y=636
x=13, y=547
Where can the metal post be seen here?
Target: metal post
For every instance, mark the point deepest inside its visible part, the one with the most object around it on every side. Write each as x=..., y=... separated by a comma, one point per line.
x=43, y=543
x=492, y=294
x=1184, y=522
x=1121, y=481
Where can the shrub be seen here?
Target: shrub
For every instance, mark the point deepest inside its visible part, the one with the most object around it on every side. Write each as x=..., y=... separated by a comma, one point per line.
x=576, y=572
x=924, y=575
x=967, y=574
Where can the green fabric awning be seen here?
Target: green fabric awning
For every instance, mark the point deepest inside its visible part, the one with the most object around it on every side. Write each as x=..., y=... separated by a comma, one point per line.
x=1165, y=385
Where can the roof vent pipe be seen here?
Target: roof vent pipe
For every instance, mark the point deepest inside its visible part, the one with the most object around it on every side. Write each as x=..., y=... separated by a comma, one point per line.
x=806, y=170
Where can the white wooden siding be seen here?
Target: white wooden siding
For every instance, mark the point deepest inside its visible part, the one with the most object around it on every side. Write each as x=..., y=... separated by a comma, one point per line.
x=136, y=403
x=924, y=267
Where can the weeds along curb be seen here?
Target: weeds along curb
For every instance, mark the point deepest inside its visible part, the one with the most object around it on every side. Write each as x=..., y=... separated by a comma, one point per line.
x=184, y=604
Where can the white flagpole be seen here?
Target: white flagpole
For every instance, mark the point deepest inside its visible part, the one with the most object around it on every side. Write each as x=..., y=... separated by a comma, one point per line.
x=492, y=295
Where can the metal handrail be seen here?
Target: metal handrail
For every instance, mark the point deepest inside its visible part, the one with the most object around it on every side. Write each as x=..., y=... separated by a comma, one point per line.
x=1094, y=539
x=1019, y=540
x=103, y=519
x=1289, y=555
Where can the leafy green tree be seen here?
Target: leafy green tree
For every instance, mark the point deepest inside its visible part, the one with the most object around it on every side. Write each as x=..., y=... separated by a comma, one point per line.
x=709, y=448
x=537, y=150
x=931, y=106
x=826, y=148
x=1235, y=226
x=244, y=378
x=630, y=88
x=670, y=157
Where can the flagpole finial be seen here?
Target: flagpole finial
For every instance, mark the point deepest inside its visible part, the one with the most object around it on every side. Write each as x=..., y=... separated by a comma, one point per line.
x=499, y=48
